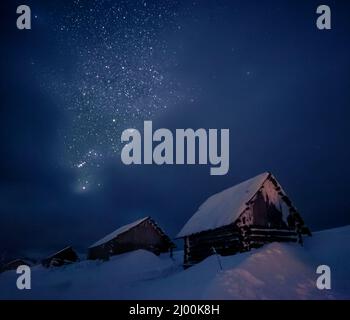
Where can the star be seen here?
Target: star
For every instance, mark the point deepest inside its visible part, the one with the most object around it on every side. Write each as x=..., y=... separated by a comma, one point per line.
x=116, y=80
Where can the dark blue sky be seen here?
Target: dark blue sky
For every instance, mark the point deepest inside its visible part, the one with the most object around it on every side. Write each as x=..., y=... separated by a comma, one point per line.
x=260, y=68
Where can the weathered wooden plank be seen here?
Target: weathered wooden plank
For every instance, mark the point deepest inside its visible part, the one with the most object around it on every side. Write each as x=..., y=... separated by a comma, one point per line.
x=272, y=238
x=214, y=236
x=213, y=240
x=273, y=232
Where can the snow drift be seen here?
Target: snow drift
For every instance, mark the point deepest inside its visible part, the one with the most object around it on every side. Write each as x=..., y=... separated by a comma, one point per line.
x=275, y=271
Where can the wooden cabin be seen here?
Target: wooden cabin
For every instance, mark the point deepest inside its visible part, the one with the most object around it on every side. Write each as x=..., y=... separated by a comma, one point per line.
x=60, y=258
x=250, y=214
x=14, y=264
x=140, y=234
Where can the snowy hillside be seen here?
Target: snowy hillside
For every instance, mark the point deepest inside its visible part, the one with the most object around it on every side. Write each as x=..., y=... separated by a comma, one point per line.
x=276, y=271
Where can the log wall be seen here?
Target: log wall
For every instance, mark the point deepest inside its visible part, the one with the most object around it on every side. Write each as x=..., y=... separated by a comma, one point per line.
x=231, y=240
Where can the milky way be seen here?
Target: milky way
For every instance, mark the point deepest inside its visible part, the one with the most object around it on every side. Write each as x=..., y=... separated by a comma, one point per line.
x=121, y=76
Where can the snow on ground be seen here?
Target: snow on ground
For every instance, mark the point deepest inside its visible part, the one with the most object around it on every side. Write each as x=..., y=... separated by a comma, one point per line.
x=276, y=271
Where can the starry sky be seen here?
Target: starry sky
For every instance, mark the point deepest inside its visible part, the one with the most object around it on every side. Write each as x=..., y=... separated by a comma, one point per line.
x=90, y=69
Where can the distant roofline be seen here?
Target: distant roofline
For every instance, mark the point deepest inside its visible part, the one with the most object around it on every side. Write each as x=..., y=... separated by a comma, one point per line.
x=15, y=260
x=52, y=255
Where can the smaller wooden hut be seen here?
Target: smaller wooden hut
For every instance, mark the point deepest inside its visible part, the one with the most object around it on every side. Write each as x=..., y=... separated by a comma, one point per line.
x=141, y=234
x=60, y=258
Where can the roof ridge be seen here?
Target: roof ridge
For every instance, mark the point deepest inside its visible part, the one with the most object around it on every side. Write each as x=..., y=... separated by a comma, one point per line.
x=229, y=202
x=134, y=224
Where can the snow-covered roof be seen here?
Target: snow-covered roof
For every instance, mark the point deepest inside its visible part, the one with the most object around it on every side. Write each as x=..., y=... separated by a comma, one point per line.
x=119, y=231
x=223, y=208
x=60, y=251
x=20, y=260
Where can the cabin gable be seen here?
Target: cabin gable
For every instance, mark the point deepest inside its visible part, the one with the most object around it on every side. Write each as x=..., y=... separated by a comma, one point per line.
x=60, y=258
x=267, y=208
x=145, y=235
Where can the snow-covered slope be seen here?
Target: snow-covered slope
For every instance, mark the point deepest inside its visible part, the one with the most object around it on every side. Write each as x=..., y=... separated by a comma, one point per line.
x=276, y=271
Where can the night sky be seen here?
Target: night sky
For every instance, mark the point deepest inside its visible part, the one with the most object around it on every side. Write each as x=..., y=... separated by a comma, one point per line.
x=90, y=69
